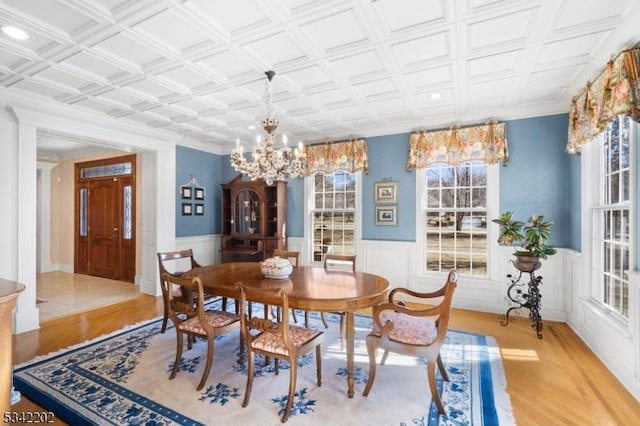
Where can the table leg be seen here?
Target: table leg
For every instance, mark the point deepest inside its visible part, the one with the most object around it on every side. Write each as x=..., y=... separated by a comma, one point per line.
x=350, y=326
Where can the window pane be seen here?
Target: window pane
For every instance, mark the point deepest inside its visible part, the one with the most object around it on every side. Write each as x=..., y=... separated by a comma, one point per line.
x=614, y=190
x=448, y=198
x=433, y=198
x=83, y=212
x=128, y=226
x=351, y=200
x=328, y=200
x=478, y=197
x=625, y=186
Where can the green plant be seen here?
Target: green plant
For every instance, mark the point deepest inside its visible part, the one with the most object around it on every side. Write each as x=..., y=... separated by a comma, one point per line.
x=510, y=230
x=534, y=235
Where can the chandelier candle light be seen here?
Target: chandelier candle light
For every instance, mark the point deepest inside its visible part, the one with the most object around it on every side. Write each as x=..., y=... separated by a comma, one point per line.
x=269, y=164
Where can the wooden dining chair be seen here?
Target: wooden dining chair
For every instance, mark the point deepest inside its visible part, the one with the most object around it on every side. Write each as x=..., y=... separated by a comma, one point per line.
x=416, y=332
x=339, y=262
x=277, y=339
x=192, y=320
x=293, y=257
x=181, y=259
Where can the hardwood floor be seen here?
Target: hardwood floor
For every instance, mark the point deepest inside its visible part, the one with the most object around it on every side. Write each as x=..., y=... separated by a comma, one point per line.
x=553, y=381
x=61, y=293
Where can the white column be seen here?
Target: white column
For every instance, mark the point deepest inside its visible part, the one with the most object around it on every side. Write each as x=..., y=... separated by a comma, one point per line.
x=44, y=217
x=159, y=233
x=27, y=314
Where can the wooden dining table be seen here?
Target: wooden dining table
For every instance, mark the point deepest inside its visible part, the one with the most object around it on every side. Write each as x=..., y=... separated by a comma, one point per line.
x=309, y=288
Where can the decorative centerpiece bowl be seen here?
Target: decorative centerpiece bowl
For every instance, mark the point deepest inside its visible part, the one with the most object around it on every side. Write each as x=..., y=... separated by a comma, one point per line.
x=276, y=268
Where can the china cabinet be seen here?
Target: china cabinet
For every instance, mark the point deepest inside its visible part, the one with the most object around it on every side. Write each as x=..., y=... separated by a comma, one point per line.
x=253, y=219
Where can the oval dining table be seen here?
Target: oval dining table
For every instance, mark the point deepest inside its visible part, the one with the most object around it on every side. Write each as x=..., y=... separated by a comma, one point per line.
x=309, y=288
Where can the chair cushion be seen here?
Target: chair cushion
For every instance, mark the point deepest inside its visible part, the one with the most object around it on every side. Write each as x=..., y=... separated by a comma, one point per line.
x=408, y=329
x=272, y=342
x=217, y=319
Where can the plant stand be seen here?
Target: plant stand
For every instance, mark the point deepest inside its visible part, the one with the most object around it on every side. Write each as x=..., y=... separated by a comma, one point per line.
x=525, y=295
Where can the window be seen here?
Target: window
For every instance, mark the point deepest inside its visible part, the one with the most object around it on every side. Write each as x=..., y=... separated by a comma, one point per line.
x=611, y=217
x=454, y=217
x=333, y=213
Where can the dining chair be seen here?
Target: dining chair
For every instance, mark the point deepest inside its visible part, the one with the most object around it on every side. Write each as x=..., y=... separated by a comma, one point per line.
x=178, y=258
x=418, y=331
x=278, y=339
x=293, y=257
x=192, y=320
x=181, y=258
x=339, y=262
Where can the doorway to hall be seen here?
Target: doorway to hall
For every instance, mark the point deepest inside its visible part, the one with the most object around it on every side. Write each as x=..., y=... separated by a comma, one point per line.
x=105, y=243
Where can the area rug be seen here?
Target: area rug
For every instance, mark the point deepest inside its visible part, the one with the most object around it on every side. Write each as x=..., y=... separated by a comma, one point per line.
x=123, y=378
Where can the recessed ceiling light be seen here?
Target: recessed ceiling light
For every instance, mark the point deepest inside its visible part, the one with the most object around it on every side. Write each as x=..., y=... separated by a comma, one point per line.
x=14, y=32
x=436, y=95
x=251, y=127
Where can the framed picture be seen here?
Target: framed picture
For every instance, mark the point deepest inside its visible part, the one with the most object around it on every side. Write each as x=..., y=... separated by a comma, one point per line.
x=199, y=209
x=185, y=192
x=387, y=215
x=187, y=209
x=386, y=192
x=198, y=194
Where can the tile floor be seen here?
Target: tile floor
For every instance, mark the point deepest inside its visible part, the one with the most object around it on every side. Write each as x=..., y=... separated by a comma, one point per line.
x=60, y=293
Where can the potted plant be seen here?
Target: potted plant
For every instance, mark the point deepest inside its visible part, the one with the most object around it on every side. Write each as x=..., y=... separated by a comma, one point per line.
x=534, y=235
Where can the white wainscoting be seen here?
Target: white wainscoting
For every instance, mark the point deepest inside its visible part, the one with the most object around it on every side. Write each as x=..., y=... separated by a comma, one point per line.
x=398, y=262
x=206, y=248
x=615, y=343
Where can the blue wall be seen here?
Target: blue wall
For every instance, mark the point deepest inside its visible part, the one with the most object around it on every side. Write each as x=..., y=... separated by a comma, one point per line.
x=387, y=157
x=540, y=178
x=207, y=170
x=537, y=177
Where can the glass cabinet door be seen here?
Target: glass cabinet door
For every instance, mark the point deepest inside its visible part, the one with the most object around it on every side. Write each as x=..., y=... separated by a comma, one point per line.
x=247, y=206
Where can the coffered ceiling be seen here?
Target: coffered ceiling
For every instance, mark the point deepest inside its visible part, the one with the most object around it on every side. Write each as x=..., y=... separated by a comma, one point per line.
x=344, y=68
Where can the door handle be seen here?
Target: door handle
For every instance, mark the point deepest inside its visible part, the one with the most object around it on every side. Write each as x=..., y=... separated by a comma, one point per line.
x=115, y=229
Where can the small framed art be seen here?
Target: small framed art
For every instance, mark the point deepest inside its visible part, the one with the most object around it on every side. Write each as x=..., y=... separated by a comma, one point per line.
x=198, y=194
x=387, y=215
x=199, y=209
x=186, y=192
x=187, y=209
x=386, y=192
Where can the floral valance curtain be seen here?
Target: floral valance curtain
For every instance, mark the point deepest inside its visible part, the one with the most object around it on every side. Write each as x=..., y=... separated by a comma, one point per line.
x=330, y=156
x=485, y=142
x=615, y=91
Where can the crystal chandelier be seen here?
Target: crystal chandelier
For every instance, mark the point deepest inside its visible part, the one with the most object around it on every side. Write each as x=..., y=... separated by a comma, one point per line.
x=269, y=164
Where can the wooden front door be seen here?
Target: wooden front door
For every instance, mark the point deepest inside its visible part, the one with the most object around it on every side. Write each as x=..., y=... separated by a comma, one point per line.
x=105, y=217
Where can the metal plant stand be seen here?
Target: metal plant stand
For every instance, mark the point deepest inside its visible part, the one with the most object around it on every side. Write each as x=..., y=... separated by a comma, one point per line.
x=526, y=295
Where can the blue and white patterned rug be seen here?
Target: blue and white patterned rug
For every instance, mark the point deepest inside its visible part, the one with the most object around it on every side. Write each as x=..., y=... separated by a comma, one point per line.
x=123, y=378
